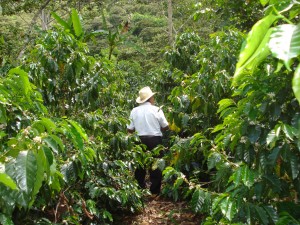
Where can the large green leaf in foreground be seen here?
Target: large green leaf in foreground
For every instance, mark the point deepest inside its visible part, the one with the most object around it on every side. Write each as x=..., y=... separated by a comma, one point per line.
x=296, y=83
x=285, y=45
x=285, y=42
x=255, y=49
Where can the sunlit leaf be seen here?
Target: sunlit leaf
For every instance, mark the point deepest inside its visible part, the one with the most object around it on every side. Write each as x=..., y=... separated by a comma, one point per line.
x=22, y=82
x=199, y=200
x=288, y=131
x=39, y=178
x=51, y=142
x=264, y=2
x=255, y=48
x=5, y=179
x=5, y=220
x=76, y=23
x=228, y=208
x=26, y=171
x=61, y=21
x=79, y=129
x=225, y=103
x=216, y=201
x=272, y=213
x=294, y=164
x=296, y=83
x=248, y=176
x=285, y=42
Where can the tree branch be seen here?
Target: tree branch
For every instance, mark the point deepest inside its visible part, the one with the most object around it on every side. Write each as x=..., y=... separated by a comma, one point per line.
x=33, y=21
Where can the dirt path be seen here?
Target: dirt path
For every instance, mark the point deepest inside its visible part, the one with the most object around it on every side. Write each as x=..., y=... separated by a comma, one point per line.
x=163, y=211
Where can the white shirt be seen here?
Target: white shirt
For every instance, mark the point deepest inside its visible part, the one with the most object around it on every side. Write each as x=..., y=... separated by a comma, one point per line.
x=147, y=119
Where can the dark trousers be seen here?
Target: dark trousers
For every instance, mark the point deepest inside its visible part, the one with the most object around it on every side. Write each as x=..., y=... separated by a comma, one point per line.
x=155, y=175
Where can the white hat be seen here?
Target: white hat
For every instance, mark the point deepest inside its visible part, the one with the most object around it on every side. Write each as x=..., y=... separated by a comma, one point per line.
x=144, y=94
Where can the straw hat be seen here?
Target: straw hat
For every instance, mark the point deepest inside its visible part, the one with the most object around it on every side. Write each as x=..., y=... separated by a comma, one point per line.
x=144, y=94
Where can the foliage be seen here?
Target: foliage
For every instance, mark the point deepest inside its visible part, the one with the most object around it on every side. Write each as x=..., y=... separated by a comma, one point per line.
x=66, y=168
x=194, y=99
x=254, y=158
x=31, y=144
x=234, y=145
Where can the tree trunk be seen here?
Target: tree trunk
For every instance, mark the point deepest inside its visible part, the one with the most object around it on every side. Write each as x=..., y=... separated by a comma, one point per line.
x=45, y=18
x=170, y=22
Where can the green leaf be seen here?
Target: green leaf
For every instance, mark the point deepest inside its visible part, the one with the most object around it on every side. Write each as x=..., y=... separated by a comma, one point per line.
x=272, y=213
x=3, y=115
x=213, y=159
x=6, y=180
x=296, y=83
x=236, y=177
x=79, y=129
x=218, y=128
x=294, y=166
x=26, y=171
x=274, y=135
x=285, y=218
x=255, y=47
x=273, y=181
x=200, y=200
x=48, y=159
x=107, y=215
x=74, y=133
x=285, y=41
x=96, y=32
x=225, y=103
x=245, y=175
x=160, y=164
x=69, y=171
x=262, y=215
x=61, y=21
x=261, y=52
x=39, y=178
x=217, y=200
x=76, y=23
x=178, y=182
x=47, y=123
x=254, y=38
x=185, y=120
x=5, y=220
x=228, y=208
x=264, y=2
x=58, y=141
x=254, y=133
x=273, y=156
x=48, y=154
x=288, y=131
x=248, y=176
x=51, y=142
x=22, y=82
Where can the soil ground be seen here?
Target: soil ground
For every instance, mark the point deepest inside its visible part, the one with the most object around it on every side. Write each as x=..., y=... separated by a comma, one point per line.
x=158, y=211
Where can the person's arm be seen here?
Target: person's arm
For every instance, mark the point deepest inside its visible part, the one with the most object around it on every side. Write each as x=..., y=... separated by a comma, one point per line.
x=165, y=128
x=164, y=125
x=130, y=126
x=130, y=130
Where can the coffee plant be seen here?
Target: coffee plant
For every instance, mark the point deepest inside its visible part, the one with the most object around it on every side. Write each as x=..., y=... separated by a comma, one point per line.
x=53, y=168
x=232, y=100
x=253, y=158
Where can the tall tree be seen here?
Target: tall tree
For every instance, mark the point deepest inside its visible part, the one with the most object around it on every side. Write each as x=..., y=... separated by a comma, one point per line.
x=170, y=21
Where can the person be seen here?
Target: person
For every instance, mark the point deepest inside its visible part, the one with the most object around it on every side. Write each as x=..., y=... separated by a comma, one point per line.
x=148, y=121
